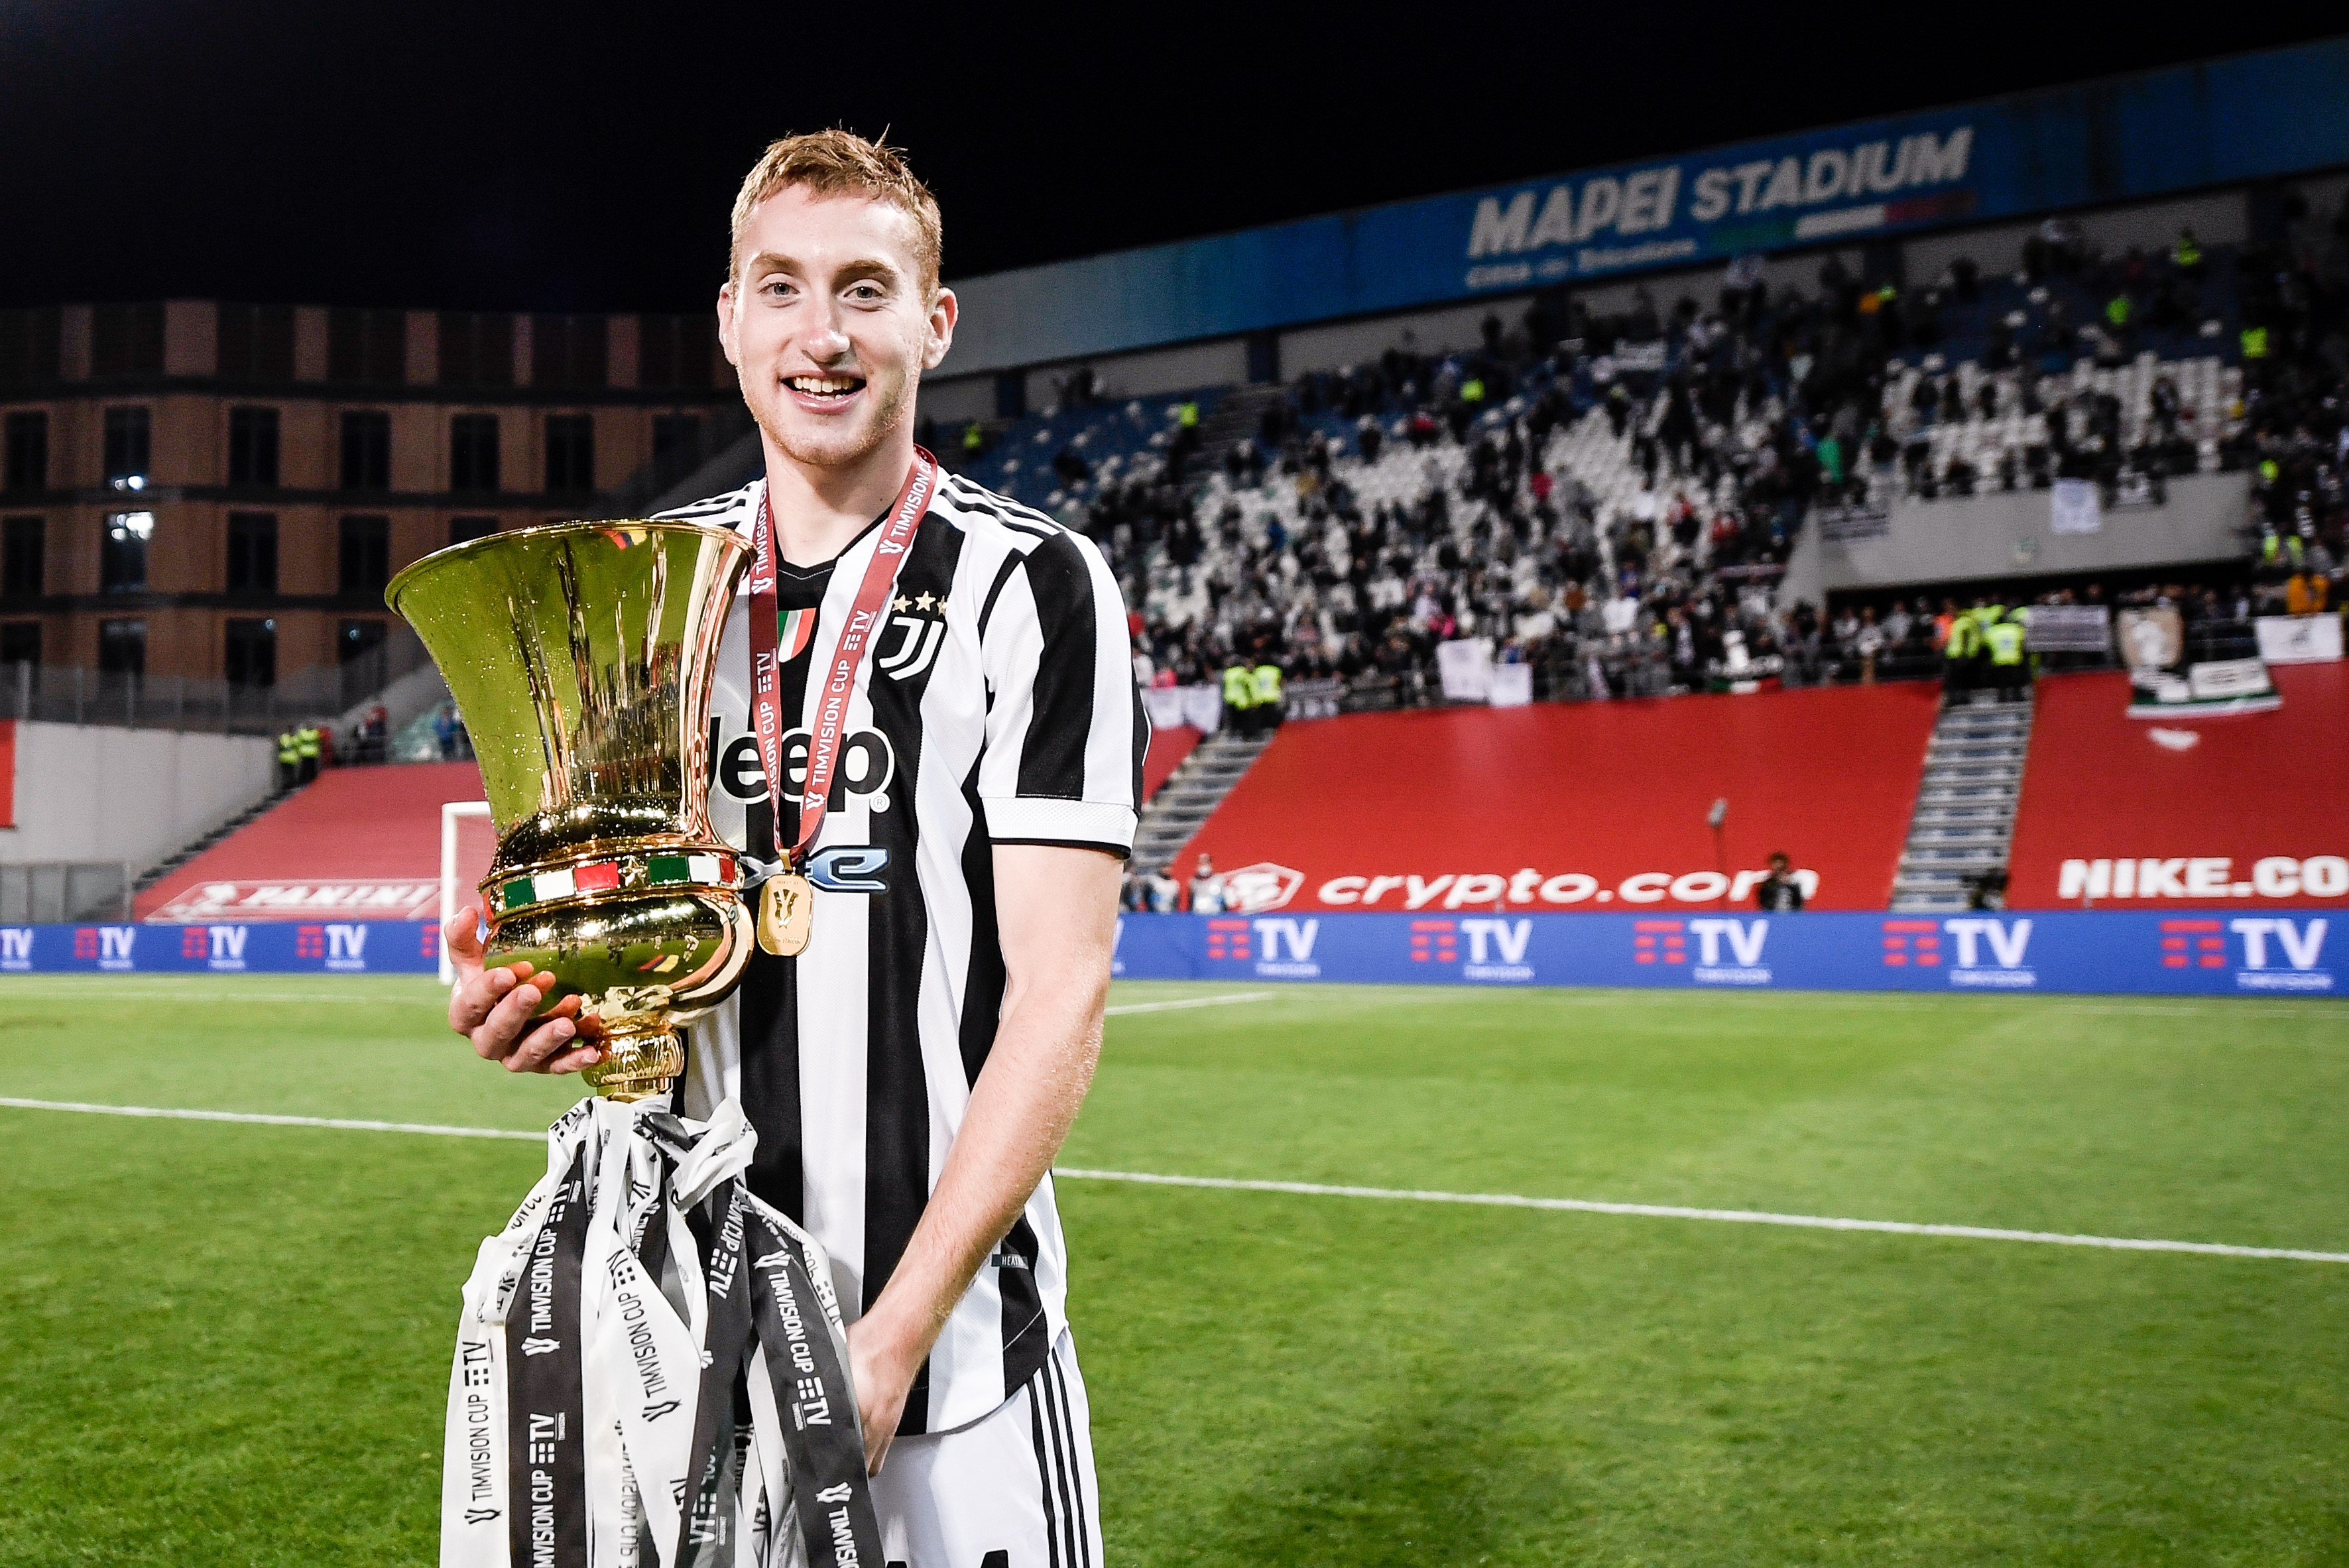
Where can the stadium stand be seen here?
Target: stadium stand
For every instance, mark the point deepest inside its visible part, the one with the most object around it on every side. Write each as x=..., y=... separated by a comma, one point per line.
x=1611, y=498
x=1600, y=806
x=2243, y=808
x=1168, y=750
x=358, y=842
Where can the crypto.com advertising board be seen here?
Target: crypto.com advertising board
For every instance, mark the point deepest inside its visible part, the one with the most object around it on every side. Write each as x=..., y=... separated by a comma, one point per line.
x=2190, y=952
x=1600, y=806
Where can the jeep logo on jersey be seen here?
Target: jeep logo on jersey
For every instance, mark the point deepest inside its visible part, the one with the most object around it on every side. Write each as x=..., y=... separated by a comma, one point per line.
x=867, y=764
x=1990, y=952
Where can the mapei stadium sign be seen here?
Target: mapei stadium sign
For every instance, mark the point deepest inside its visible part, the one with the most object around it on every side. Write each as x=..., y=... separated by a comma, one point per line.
x=2127, y=954
x=2189, y=128
x=1756, y=198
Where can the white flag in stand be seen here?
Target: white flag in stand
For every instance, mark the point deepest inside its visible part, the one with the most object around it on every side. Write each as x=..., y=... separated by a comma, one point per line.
x=2072, y=507
x=1465, y=667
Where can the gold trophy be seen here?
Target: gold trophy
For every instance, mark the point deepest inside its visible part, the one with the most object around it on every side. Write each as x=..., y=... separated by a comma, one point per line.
x=581, y=656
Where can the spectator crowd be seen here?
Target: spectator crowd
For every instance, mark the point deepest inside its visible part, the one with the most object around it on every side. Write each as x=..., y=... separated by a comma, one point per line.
x=1611, y=499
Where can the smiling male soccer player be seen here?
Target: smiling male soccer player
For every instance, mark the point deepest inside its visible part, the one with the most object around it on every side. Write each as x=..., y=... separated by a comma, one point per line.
x=911, y=1071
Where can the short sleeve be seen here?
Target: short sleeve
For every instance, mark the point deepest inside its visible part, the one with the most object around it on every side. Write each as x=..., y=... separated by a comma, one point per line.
x=1065, y=727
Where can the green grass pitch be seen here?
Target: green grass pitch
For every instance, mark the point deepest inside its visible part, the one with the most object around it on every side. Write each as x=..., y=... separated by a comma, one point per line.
x=227, y=1343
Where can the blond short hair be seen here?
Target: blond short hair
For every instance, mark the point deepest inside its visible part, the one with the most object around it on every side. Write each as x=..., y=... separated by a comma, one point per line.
x=839, y=163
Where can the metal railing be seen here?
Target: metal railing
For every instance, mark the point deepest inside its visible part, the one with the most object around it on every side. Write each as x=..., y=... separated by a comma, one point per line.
x=72, y=694
x=50, y=893
x=1628, y=669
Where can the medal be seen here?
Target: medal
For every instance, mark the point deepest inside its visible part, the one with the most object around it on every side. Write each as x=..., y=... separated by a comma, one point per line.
x=786, y=910
x=787, y=899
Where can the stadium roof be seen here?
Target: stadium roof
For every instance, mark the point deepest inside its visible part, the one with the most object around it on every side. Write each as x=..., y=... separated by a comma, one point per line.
x=2220, y=122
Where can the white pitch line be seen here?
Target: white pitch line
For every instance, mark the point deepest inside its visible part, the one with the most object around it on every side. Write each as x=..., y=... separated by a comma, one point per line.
x=1120, y=1012
x=1732, y=1216
x=174, y=1113
x=1321, y=1190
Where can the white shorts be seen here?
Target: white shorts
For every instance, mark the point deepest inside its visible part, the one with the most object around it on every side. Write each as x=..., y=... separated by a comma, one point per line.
x=1015, y=1488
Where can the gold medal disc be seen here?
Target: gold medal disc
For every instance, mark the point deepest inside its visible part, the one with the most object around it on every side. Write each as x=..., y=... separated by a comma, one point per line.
x=786, y=910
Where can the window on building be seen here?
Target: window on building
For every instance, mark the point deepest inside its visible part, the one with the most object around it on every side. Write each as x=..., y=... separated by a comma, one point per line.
x=257, y=343
x=366, y=556
x=24, y=546
x=464, y=529
x=127, y=340
x=568, y=351
x=677, y=447
x=30, y=344
x=128, y=444
x=122, y=552
x=249, y=657
x=357, y=639
x=20, y=641
x=676, y=351
x=367, y=451
x=28, y=450
x=366, y=347
x=570, y=454
x=473, y=454
x=122, y=647
x=252, y=446
x=476, y=348
x=252, y=552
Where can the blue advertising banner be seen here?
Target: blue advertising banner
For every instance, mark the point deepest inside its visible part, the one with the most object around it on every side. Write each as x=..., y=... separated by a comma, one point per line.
x=2214, y=954
x=2221, y=122
x=2217, y=954
x=256, y=947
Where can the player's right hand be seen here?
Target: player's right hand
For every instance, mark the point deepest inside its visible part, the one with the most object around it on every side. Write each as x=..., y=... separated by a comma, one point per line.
x=492, y=1008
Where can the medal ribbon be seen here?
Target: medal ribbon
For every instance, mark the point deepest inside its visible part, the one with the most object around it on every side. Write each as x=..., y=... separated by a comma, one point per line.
x=849, y=651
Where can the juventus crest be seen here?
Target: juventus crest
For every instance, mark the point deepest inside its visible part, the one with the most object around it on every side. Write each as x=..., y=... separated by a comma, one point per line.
x=910, y=643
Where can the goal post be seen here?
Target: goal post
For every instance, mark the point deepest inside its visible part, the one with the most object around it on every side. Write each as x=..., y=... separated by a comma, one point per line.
x=468, y=841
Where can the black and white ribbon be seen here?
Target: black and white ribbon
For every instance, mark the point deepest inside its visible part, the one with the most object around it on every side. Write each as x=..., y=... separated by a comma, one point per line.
x=651, y=1370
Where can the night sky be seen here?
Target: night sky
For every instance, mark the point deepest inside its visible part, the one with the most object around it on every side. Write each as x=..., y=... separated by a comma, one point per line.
x=583, y=157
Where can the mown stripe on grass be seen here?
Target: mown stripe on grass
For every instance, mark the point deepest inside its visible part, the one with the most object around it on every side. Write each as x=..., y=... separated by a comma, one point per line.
x=1325, y=1190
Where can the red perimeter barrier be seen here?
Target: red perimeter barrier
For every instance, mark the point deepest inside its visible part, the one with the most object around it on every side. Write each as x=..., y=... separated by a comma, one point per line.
x=2242, y=810
x=1168, y=747
x=360, y=842
x=1589, y=806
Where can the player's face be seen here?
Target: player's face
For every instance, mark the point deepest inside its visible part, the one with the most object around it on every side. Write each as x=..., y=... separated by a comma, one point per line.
x=829, y=323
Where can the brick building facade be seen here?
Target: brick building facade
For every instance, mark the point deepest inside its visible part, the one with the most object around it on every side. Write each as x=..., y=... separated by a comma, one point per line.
x=219, y=491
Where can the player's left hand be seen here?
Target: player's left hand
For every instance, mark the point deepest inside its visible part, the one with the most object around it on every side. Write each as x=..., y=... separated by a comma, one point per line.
x=884, y=1375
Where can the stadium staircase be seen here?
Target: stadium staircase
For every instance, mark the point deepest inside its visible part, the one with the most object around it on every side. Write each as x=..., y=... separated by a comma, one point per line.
x=1190, y=797
x=1966, y=803
x=1235, y=417
x=190, y=850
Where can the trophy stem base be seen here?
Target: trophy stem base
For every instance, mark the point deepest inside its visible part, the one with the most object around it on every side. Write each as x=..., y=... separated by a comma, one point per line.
x=638, y=1062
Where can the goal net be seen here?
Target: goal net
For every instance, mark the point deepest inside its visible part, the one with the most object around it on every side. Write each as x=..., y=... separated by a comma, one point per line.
x=468, y=841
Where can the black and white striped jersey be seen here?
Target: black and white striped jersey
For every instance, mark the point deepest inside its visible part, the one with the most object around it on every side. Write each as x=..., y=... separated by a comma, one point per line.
x=997, y=705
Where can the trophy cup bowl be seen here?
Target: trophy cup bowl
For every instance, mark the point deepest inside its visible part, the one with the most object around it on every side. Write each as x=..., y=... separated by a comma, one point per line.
x=581, y=656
